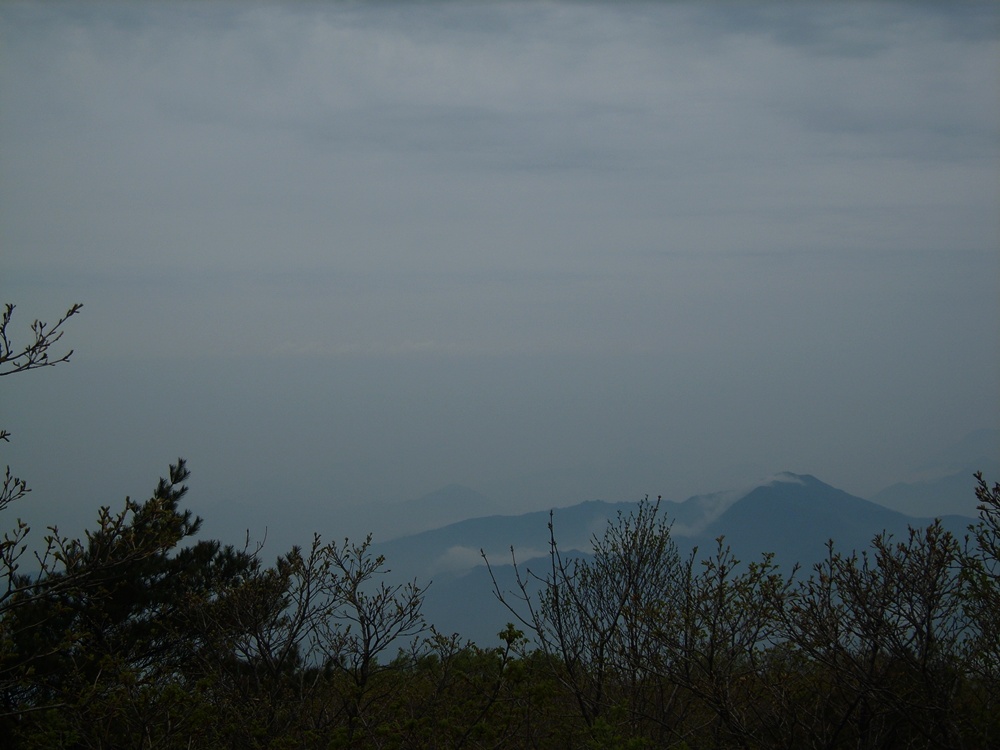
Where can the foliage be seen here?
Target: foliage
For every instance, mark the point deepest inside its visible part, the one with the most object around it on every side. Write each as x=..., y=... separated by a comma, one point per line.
x=108, y=627
x=885, y=629
x=141, y=635
x=894, y=646
x=591, y=613
x=981, y=604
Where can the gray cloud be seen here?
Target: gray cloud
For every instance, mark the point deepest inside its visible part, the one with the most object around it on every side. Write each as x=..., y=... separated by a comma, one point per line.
x=391, y=247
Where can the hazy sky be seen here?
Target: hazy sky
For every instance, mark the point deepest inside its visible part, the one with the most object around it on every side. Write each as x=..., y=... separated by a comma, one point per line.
x=346, y=253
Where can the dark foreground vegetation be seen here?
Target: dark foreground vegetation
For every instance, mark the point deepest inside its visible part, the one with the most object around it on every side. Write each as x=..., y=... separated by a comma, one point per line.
x=139, y=635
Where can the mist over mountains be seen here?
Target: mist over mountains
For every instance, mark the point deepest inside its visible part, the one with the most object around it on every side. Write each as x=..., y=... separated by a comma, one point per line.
x=938, y=485
x=790, y=515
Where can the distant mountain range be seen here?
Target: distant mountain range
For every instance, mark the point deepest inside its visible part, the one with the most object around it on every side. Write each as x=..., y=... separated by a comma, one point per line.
x=790, y=515
x=940, y=484
x=944, y=483
x=927, y=497
x=433, y=510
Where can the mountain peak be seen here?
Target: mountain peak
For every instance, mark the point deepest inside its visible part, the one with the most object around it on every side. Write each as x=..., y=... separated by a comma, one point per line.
x=785, y=477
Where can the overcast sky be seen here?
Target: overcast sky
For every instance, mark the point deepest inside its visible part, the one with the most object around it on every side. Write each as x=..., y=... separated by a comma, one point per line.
x=347, y=253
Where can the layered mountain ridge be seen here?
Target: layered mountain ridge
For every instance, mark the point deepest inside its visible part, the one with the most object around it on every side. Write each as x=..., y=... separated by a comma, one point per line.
x=790, y=515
